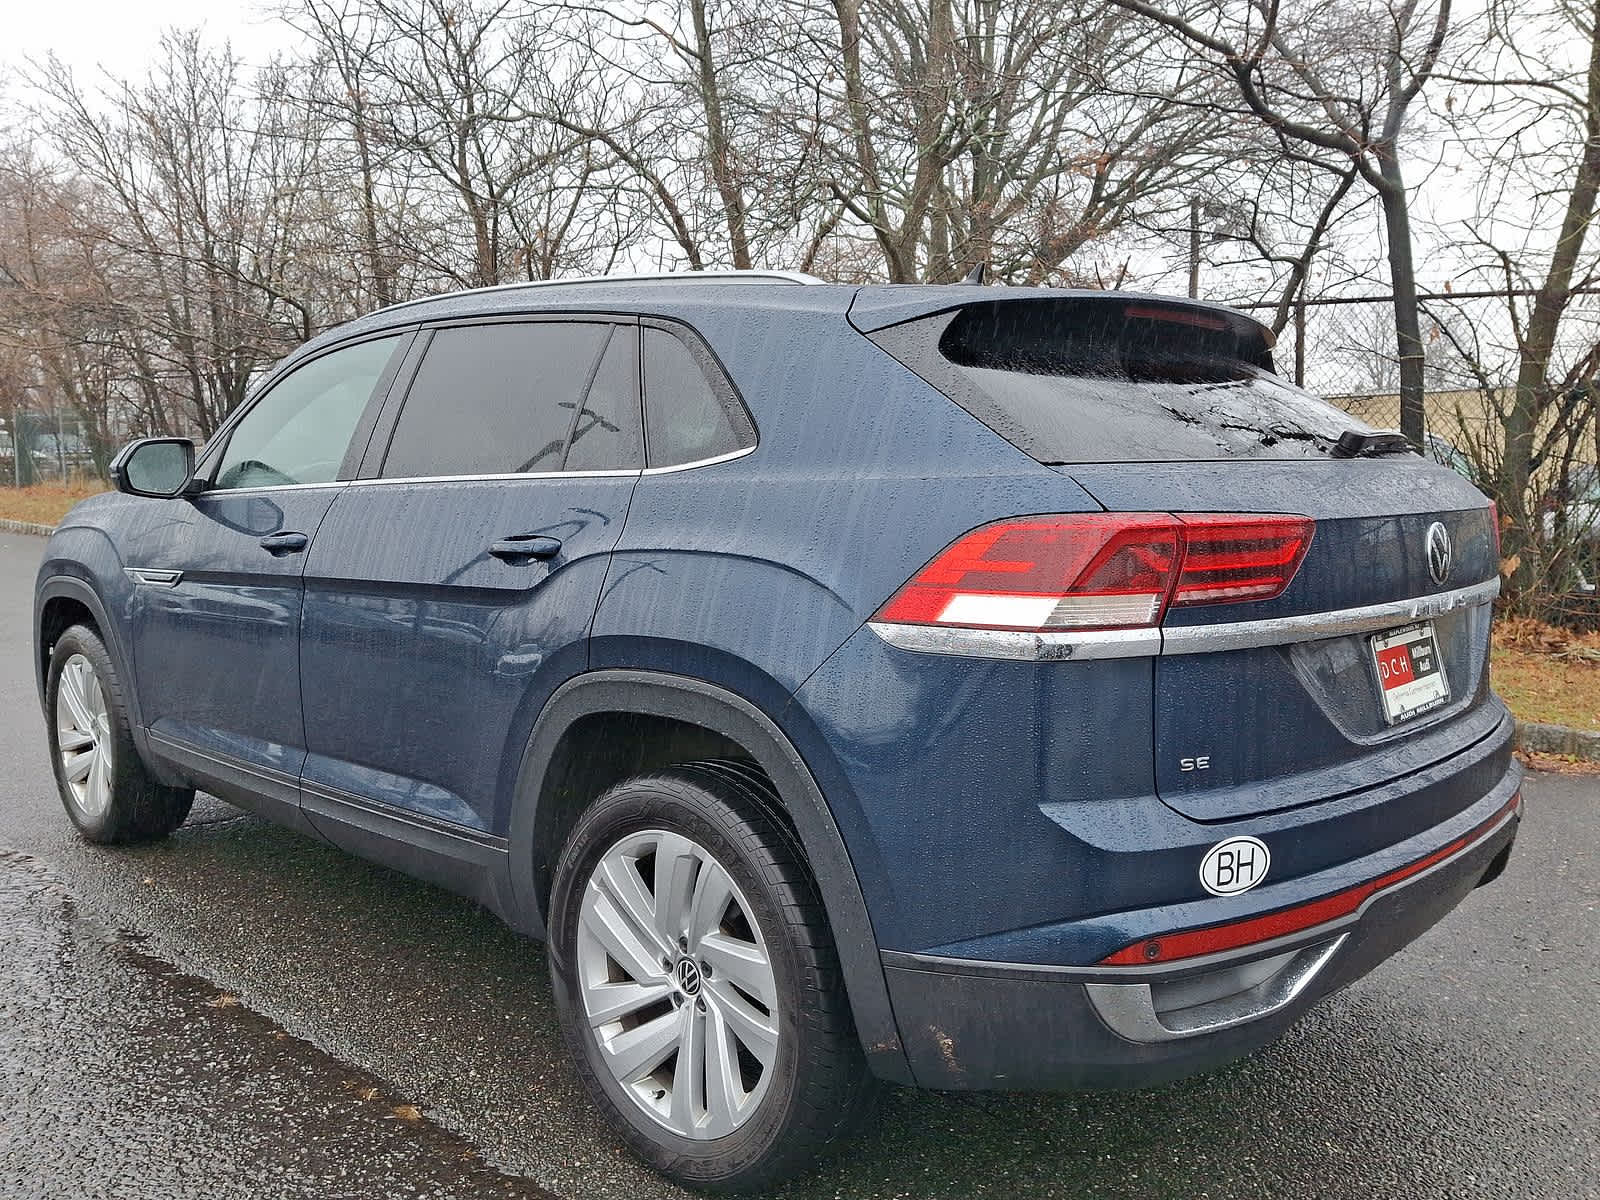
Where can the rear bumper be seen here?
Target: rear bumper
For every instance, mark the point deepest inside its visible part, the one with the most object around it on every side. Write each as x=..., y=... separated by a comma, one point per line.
x=967, y=1023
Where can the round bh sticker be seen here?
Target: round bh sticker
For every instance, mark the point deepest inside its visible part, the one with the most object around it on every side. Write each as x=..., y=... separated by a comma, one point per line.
x=1235, y=865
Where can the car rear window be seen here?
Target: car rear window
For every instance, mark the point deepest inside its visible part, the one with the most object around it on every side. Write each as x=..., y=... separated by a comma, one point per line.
x=1117, y=380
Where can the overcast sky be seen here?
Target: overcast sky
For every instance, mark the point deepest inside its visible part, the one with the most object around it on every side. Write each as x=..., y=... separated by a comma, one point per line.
x=119, y=34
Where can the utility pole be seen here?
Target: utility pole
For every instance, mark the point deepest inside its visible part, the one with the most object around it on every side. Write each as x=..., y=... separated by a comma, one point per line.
x=1194, y=249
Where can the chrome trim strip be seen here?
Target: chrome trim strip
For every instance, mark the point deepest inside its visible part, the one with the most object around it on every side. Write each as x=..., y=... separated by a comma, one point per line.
x=1062, y=645
x=268, y=487
x=1130, y=1011
x=1056, y=646
x=1284, y=631
x=492, y=477
x=700, y=462
x=154, y=576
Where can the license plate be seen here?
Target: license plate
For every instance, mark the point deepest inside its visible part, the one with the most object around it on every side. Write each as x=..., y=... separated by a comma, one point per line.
x=1411, y=678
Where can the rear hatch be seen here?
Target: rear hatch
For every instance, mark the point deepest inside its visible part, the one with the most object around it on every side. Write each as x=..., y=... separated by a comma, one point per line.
x=1372, y=663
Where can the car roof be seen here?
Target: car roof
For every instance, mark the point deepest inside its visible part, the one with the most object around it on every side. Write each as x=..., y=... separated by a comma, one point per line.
x=869, y=306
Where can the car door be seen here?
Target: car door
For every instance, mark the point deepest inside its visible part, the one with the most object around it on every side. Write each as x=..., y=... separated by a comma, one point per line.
x=450, y=589
x=216, y=603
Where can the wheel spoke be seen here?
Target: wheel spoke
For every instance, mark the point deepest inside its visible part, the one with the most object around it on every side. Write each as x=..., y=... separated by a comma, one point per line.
x=742, y=963
x=77, y=767
x=712, y=891
x=689, y=1075
x=607, y=1002
x=634, y=1053
x=724, y=1091
x=96, y=788
x=70, y=690
x=756, y=1030
x=620, y=881
x=677, y=864
x=605, y=919
x=73, y=738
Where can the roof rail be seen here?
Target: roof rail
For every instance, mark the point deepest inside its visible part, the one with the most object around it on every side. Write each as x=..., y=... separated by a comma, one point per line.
x=791, y=277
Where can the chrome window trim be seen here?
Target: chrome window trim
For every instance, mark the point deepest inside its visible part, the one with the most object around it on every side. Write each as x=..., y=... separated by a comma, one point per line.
x=270, y=487
x=1067, y=645
x=626, y=473
x=700, y=462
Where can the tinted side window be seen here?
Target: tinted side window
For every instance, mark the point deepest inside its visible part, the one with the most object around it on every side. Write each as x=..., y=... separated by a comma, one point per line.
x=605, y=436
x=299, y=431
x=495, y=399
x=686, y=420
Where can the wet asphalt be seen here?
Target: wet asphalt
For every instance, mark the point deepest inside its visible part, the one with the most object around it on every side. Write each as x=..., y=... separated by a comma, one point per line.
x=240, y=1011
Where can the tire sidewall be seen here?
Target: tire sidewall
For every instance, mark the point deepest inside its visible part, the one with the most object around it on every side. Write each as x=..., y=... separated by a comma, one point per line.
x=657, y=803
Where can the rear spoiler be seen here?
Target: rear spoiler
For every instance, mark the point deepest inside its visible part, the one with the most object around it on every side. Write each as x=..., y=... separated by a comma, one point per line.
x=875, y=308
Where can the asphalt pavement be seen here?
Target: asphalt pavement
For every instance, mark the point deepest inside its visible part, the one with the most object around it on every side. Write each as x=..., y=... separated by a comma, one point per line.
x=242, y=1012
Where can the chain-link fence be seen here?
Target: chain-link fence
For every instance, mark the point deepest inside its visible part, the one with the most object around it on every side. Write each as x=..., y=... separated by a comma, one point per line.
x=1343, y=348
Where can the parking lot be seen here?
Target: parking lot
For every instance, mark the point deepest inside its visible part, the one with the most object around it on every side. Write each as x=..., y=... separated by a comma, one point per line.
x=243, y=1012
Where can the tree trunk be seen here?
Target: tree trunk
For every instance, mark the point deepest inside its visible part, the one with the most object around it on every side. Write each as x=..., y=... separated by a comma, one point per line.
x=1403, y=282
x=1544, y=321
x=718, y=146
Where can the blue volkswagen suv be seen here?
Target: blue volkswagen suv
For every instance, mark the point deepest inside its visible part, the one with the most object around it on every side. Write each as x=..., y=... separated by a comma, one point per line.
x=952, y=686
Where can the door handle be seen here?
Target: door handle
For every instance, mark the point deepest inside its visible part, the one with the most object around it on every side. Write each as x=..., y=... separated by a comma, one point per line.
x=526, y=545
x=285, y=542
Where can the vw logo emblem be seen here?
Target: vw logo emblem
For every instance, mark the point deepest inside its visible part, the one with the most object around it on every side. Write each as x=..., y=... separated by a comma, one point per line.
x=688, y=976
x=1438, y=552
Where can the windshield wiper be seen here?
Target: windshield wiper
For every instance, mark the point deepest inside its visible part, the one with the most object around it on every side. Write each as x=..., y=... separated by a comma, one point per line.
x=1353, y=443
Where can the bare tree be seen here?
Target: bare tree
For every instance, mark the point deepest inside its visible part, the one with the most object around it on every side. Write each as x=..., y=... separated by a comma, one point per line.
x=1339, y=79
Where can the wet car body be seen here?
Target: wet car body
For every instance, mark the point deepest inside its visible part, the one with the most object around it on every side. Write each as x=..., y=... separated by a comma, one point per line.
x=1001, y=823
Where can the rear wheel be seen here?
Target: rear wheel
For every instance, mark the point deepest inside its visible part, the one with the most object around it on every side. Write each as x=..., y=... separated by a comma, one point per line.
x=697, y=981
x=104, y=785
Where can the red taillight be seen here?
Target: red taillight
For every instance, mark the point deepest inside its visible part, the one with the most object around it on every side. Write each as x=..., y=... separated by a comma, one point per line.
x=1494, y=525
x=1100, y=570
x=1229, y=558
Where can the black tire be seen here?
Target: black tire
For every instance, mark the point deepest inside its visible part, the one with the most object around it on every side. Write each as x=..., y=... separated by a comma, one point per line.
x=819, y=1090
x=140, y=807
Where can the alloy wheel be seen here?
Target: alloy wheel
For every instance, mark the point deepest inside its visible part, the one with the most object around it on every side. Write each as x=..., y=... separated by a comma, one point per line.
x=83, y=736
x=677, y=984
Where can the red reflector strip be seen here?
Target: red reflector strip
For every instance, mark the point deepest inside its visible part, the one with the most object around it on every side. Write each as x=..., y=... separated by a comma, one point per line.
x=1194, y=942
x=1176, y=316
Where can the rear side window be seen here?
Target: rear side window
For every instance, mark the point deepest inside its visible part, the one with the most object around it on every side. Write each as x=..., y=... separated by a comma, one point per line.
x=1117, y=380
x=691, y=413
x=506, y=398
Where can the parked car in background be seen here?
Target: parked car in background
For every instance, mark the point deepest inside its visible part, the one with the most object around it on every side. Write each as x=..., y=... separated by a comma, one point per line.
x=1572, y=518
x=949, y=686
x=1447, y=454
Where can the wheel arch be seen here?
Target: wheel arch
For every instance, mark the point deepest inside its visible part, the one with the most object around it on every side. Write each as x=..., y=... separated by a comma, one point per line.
x=728, y=719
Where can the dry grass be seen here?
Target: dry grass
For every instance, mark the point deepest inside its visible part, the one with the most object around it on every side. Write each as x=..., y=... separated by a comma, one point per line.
x=45, y=503
x=1547, y=674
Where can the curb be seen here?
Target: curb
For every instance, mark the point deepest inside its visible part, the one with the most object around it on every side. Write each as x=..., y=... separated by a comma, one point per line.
x=1530, y=735
x=1558, y=739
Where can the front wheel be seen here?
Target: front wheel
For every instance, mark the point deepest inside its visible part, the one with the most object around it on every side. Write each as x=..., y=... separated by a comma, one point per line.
x=698, y=984
x=105, y=787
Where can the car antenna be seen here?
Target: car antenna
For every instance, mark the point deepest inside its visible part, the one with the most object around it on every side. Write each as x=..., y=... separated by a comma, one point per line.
x=978, y=276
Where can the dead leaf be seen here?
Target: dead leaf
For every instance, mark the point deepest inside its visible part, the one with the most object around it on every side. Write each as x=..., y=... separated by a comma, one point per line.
x=223, y=1001
x=1508, y=566
x=367, y=1093
x=407, y=1112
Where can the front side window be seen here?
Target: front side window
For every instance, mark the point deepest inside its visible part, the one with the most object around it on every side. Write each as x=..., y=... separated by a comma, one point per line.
x=686, y=420
x=299, y=431
x=510, y=397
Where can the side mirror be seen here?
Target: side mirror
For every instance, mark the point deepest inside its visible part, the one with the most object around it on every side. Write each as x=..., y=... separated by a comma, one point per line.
x=159, y=467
